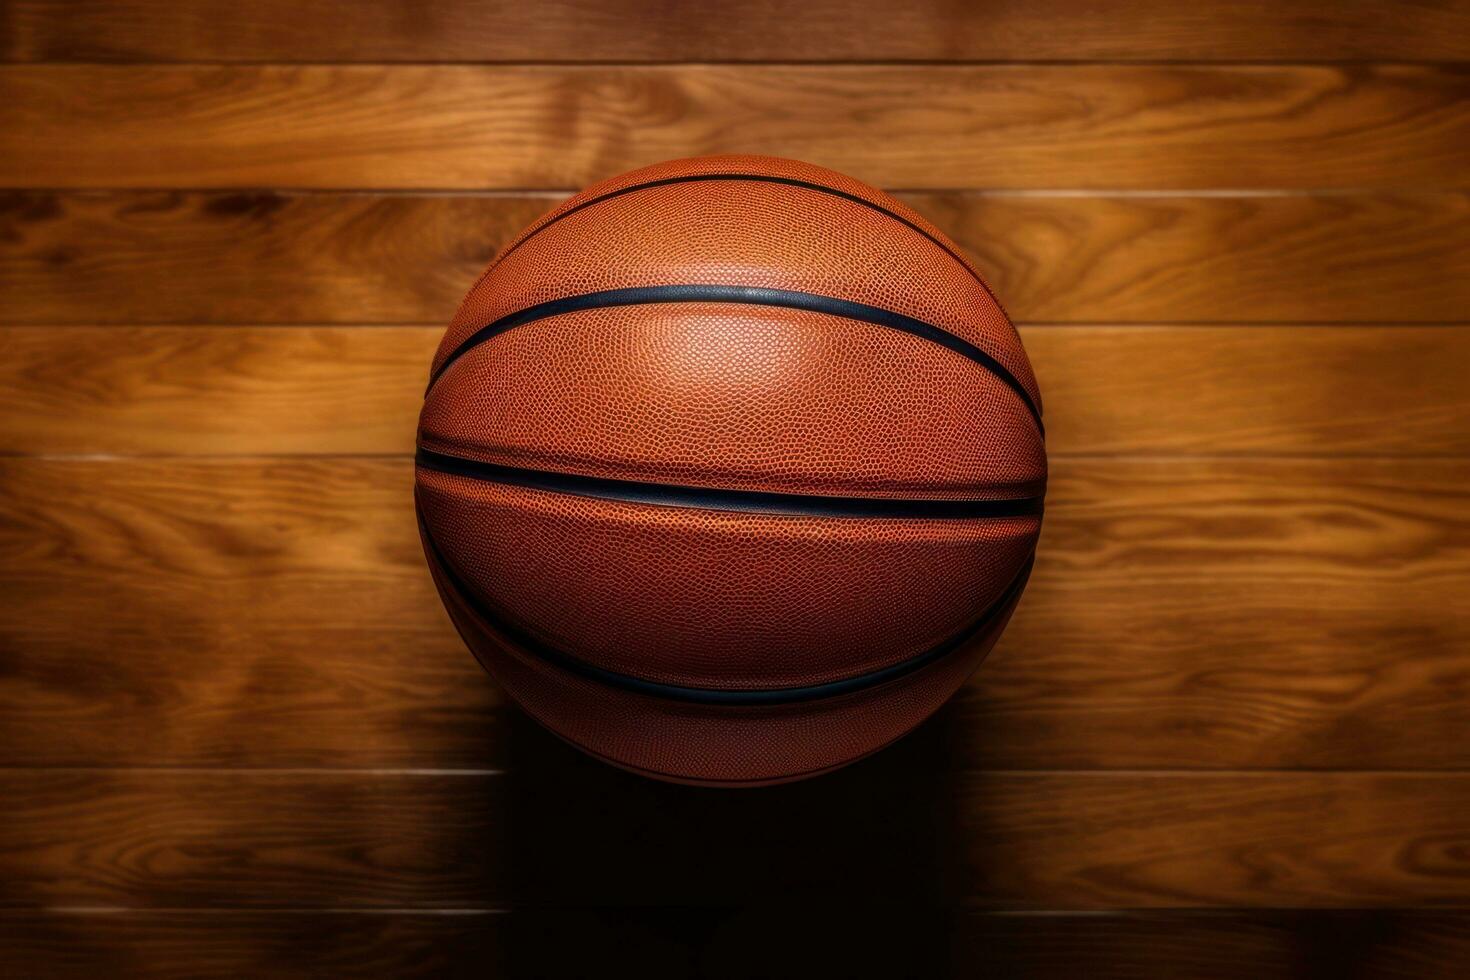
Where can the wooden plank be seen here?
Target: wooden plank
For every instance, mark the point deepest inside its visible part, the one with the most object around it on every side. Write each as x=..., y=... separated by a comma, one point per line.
x=267, y=613
x=1207, y=945
x=746, y=30
x=1211, y=390
x=269, y=257
x=574, y=832
x=1163, y=390
x=437, y=126
x=217, y=391
x=278, y=613
x=229, y=945
x=768, y=942
x=254, y=839
x=1221, y=613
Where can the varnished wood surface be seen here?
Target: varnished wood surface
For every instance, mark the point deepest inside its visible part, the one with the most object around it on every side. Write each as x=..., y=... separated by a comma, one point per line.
x=1269, y=390
x=772, y=942
x=124, y=583
x=262, y=257
x=570, y=832
x=1225, y=735
x=747, y=30
x=436, y=126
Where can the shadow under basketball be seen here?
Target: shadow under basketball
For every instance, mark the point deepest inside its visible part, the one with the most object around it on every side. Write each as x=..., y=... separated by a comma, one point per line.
x=701, y=880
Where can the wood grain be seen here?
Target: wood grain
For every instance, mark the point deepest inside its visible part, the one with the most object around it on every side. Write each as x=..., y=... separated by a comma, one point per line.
x=277, y=613
x=1225, y=735
x=1213, y=390
x=1108, y=390
x=269, y=613
x=766, y=942
x=215, y=391
x=575, y=832
x=1220, y=613
x=270, y=257
x=747, y=30
x=1092, y=126
x=214, y=945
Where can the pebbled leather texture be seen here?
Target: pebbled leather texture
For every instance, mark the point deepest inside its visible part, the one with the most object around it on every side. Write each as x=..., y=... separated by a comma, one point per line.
x=730, y=396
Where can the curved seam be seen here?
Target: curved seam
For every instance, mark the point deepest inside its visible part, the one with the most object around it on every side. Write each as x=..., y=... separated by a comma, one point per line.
x=964, y=263
x=750, y=296
x=758, y=178
x=728, y=499
x=726, y=696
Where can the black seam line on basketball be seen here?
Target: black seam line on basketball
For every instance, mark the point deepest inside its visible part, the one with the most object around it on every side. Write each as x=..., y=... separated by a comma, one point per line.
x=759, y=178
x=749, y=296
x=714, y=498
x=727, y=696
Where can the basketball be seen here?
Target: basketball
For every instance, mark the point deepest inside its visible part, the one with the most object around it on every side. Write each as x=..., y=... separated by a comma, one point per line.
x=730, y=470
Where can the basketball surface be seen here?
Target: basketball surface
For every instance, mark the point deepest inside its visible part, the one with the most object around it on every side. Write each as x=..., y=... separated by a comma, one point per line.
x=730, y=470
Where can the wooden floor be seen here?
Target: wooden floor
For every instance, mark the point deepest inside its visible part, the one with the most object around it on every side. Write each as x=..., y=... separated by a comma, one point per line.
x=1227, y=734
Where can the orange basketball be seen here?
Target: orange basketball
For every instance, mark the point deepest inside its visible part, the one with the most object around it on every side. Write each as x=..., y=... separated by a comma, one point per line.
x=730, y=470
